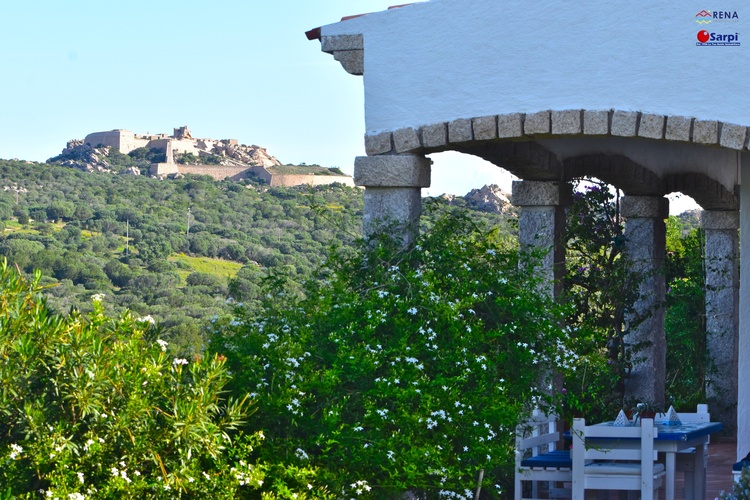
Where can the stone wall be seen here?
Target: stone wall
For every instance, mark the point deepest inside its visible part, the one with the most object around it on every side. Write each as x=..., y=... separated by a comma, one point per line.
x=124, y=140
x=163, y=169
x=218, y=172
x=119, y=139
x=310, y=180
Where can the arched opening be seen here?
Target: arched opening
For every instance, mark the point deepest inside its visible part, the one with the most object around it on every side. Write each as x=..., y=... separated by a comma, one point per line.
x=680, y=203
x=457, y=173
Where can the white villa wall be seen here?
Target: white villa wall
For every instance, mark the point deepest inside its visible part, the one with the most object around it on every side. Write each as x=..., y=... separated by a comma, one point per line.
x=446, y=59
x=743, y=380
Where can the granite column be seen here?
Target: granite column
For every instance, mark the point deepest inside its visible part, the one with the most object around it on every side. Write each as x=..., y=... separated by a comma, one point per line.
x=722, y=313
x=393, y=193
x=645, y=245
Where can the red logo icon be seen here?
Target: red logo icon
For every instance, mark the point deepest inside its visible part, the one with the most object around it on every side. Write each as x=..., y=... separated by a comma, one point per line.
x=703, y=36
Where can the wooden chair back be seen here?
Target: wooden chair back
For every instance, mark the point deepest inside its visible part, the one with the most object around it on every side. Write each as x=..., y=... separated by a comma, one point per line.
x=608, y=457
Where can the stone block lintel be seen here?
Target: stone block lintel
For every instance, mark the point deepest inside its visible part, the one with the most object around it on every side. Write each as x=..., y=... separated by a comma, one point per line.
x=541, y=193
x=642, y=207
x=392, y=171
x=720, y=220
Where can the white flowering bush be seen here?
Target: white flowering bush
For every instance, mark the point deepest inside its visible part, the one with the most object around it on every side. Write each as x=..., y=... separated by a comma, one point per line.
x=740, y=489
x=94, y=407
x=401, y=370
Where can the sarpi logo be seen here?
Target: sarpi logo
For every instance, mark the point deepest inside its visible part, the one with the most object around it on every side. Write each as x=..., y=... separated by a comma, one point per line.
x=707, y=38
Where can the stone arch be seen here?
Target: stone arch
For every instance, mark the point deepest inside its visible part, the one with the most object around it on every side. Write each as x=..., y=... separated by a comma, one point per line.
x=619, y=171
x=549, y=124
x=511, y=141
x=708, y=193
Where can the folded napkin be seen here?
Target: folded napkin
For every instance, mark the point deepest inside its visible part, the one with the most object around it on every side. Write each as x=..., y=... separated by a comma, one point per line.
x=621, y=420
x=671, y=417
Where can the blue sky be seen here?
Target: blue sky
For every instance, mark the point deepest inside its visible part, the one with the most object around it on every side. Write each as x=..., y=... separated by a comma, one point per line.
x=226, y=69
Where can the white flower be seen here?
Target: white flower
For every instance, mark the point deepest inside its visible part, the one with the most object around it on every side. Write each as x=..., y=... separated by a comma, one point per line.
x=147, y=319
x=179, y=361
x=16, y=450
x=412, y=311
x=163, y=344
x=98, y=297
x=80, y=477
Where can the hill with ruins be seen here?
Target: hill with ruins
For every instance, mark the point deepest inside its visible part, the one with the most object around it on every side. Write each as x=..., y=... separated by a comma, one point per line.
x=167, y=156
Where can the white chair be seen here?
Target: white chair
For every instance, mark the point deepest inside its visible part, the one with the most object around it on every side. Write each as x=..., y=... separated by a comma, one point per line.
x=539, y=461
x=689, y=461
x=607, y=458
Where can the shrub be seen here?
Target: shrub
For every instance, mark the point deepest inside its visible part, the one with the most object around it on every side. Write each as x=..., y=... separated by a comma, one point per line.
x=740, y=489
x=401, y=369
x=95, y=406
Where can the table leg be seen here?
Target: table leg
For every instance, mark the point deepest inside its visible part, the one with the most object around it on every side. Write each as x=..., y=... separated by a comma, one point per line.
x=669, y=487
x=699, y=475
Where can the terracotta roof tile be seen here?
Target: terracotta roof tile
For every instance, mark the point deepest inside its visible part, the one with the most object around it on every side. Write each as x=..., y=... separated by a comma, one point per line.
x=314, y=34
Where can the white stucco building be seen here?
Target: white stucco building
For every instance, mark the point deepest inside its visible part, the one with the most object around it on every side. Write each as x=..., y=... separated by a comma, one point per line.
x=652, y=97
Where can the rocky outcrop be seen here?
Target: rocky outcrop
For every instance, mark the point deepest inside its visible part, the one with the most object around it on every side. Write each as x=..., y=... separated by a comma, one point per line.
x=83, y=157
x=489, y=198
x=131, y=171
x=245, y=155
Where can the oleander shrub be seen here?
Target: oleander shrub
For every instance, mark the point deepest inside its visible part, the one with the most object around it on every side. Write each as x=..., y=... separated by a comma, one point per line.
x=96, y=407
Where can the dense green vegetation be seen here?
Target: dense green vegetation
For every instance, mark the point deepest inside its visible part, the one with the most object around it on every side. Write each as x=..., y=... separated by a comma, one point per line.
x=179, y=250
x=371, y=369
x=122, y=236
x=405, y=369
x=96, y=407
x=602, y=290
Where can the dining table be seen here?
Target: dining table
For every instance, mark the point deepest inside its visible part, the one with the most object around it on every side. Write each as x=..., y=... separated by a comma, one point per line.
x=674, y=438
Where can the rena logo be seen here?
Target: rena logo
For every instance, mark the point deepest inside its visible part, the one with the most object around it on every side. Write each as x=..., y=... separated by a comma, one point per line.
x=706, y=16
x=706, y=38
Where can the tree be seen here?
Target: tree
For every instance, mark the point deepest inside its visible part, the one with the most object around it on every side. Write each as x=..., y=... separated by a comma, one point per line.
x=684, y=321
x=60, y=210
x=22, y=215
x=602, y=289
x=20, y=251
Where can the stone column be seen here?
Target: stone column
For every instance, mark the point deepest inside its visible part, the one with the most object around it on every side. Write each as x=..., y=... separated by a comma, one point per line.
x=645, y=247
x=393, y=192
x=722, y=313
x=541, y=225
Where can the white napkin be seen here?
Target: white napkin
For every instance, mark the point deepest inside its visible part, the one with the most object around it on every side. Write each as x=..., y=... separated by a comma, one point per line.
x=621, y=420
x=671, y=417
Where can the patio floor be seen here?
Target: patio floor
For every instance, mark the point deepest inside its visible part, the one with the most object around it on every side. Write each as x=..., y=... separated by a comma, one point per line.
x=721, y=457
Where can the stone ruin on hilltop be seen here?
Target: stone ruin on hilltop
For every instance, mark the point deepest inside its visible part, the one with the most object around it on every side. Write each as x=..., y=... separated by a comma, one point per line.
x=228, y=158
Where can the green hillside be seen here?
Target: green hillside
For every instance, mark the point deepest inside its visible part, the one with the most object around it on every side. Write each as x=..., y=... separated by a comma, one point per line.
x=177, y=250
